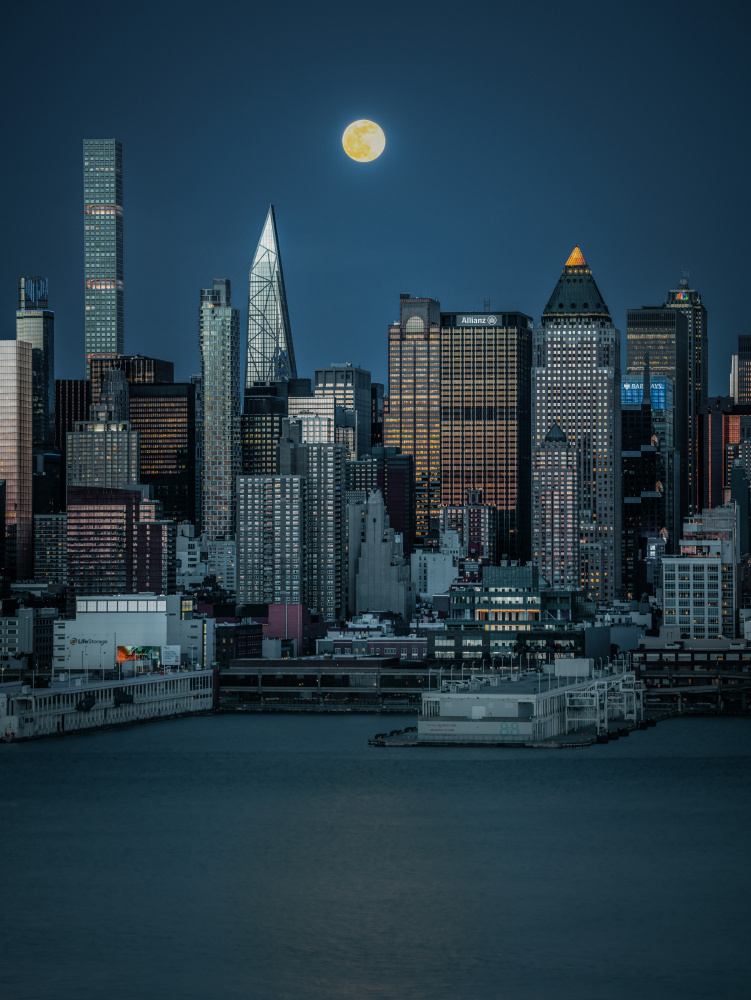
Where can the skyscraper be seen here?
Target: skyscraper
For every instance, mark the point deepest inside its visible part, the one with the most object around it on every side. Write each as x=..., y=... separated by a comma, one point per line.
x=271, y=356
x=35, y=324
x=643, y=518
x=102, y=452
x=72, y=403
x=350, y=386
x=116, y=543
x=662, y=397
x=138, y=370
x=271, y=539
x=16, y=453
x=688, y=302
x=164, y=415
x=485, y=369
x=576, y=380
x=393, y=474
x=743, y=372
x=103, y=248
x=413, y=422
x=322, y=465
x=555, y=511
x=219, y=338
x=661, y=335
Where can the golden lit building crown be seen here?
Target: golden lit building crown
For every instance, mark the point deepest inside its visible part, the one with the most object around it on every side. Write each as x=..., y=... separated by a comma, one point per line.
x=576, y=259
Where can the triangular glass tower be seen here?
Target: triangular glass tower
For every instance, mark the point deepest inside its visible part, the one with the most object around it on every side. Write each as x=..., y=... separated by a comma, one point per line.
x=271, y=357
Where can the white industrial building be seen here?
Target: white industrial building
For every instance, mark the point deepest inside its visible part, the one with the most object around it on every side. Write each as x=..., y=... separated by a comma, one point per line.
x=141, y=625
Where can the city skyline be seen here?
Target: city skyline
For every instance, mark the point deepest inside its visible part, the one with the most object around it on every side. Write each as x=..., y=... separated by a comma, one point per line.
x=431, y=214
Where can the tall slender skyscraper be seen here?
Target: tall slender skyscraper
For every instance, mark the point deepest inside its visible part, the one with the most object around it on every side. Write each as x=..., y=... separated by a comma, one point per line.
x=743, y=370
x=688, y=301
x=271, y=357
x=219, y=337
x=576, y=378
x=103, y=248
x=36, y=325
x=165, y=418
x=413, y=421
x=555, y=512
x=662, y=335
x=15, y=454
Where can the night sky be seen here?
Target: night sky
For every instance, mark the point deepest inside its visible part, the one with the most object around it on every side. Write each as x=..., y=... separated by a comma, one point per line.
x=513, y=132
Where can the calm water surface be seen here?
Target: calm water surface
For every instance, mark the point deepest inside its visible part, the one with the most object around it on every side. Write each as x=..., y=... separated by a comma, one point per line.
x=281, y=857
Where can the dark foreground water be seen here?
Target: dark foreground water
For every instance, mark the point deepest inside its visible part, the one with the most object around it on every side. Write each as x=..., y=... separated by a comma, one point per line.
x=281, y=857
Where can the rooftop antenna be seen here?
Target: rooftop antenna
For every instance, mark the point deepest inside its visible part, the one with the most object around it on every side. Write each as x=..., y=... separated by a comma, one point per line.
x=486, y=305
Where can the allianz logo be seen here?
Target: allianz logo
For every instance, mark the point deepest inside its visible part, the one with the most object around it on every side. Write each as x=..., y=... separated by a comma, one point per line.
x=479, y=320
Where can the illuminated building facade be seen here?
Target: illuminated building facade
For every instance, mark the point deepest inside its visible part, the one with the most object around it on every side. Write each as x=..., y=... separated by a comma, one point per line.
x=138, y=370
x=555, y=511
x=687, y=301
x=271, y=356
x=219, y=339
x=350, y=387
x=100, y=540
x=271, y=539
x=576, y=380
x=72, y=403
x=16, y=421
x=323, y=467
x=164, y=415
x=260, y=430
x=103, y=248
x=644, y=499
x=724, y=437
x=661, y=336
x=743, y=371
x=35, y=324
x=102, y=452
x=117, y=543
x=700, y=584
x=412, y=421
x=485, y=418
x=50, y=548
x=476, y=524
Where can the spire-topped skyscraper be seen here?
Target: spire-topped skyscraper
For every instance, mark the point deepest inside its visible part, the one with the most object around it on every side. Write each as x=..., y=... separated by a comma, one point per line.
x=576, y=385
x=271, y=357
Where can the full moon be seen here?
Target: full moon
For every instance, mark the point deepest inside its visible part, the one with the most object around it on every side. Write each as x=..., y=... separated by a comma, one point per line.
x=363, y=141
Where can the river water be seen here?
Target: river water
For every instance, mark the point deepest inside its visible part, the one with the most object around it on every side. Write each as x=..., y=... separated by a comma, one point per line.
x=281, y=857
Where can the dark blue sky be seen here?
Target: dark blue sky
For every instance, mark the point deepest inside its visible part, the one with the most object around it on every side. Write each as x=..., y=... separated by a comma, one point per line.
x=513, y=132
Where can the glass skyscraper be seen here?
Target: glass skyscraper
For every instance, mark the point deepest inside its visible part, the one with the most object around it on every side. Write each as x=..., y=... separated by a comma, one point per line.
x=103, y=248
x=15, y=454
x=35, y=324
x=271, y=357
x=485, y=423
x=350, y=386
x=413, y=421
x=219, y=338
x=688, y=301
x=660, y=335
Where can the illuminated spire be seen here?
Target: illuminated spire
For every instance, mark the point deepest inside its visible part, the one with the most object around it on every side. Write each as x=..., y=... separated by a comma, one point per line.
x=576, y=293
x=576, y=259
x=271, y=357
